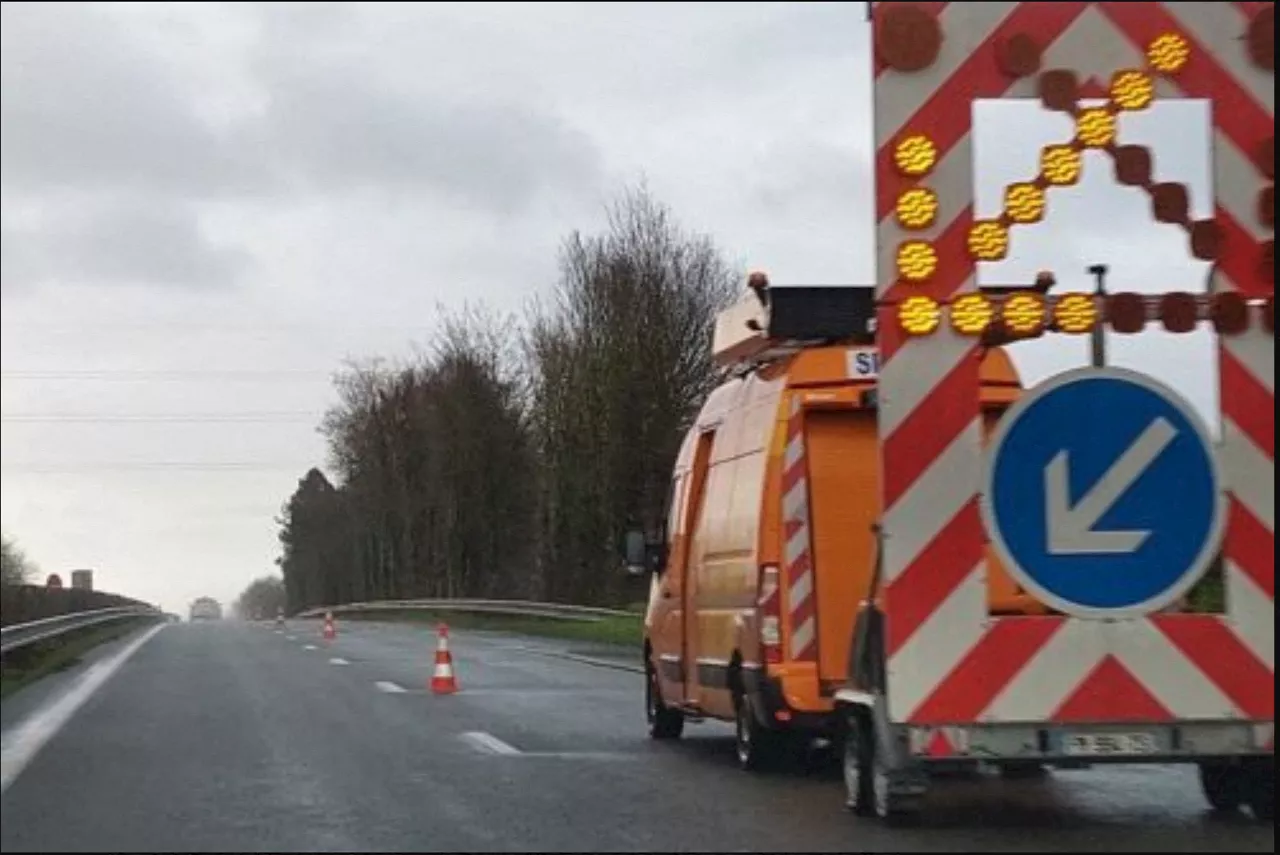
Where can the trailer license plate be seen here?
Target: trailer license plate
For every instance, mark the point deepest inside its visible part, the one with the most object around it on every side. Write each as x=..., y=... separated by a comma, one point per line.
x=1109, y=744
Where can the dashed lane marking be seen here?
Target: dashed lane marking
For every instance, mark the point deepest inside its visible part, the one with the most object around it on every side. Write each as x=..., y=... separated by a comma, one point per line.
x=389, y=687
x=488, y=743
x=338, y=660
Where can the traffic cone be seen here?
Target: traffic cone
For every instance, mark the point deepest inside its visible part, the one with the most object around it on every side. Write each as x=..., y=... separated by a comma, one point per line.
x=330, y=631
x=442, y=680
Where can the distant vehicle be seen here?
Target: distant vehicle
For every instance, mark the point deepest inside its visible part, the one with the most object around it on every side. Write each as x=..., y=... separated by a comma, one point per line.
x=206, y=608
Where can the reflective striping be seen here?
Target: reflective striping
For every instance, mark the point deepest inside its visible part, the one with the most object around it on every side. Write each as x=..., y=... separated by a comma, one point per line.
x=1242, y=460
x=925, y=510
x=903, y=98
x=937, y=646
x=798, y=549
x=801, y=588
x=949, y=661
x=1254, y=611
x=1218, y=23
x=802, y=639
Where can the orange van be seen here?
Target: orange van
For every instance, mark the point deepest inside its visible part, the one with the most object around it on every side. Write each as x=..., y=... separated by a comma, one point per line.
x=733, y=631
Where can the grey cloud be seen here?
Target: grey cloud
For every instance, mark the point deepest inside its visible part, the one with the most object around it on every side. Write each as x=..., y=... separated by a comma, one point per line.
x=332, y=130
x=139, y=241
x=87, y=106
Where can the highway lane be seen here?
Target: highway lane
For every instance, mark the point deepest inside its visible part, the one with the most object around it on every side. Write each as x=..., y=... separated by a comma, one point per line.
x=231, y=737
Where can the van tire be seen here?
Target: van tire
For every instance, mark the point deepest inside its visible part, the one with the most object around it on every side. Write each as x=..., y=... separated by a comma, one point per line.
x=758, y=748
x=664, y=722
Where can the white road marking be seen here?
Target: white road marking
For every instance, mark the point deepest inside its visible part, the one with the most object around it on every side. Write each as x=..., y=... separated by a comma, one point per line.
x=309, y=647
x=291, y=638
x=337, y=660
x=488, y=743
x=20, y=746
x=389, y=687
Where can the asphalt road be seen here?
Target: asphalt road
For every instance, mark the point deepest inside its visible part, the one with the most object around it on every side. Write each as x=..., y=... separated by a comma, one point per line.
x=231, y=737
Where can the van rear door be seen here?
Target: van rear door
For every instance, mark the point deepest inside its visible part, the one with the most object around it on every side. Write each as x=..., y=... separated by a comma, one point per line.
x=844, y=502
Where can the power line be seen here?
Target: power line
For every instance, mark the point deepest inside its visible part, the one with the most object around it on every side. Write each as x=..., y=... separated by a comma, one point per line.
x=159, y=418
x=186, y=466
x=130, y=376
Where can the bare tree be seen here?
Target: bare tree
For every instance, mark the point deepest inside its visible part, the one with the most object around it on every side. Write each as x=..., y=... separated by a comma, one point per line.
x=502, y=464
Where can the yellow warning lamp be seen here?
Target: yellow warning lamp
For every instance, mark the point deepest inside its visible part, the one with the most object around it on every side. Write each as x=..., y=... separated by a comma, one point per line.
x=1096, y=127
x=1075, y=314
x=917, y=260
x=1061, y=165
x=971, y=314
x=919, y=315
x=988, y=240
x=1024, y=314
x=1168, y=53
x=1132, y=90
x=915, y=156
x=917, y=208
x=1024, y=203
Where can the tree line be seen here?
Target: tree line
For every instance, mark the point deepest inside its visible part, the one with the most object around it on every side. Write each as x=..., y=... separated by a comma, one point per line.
x=508, y=457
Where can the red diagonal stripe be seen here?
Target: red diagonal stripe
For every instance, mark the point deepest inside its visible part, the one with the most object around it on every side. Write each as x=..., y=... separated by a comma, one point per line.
x=1247, y=403
x=986, y=670
x=1234, y=109
x=793, y=475
x=923, y=436
x=934, y=10
x=934, y=574
x=1109, y=694
x=1251, y=546
x=947, y=116
x=1241, y=255
x=1251, y=8
x=1213, y=648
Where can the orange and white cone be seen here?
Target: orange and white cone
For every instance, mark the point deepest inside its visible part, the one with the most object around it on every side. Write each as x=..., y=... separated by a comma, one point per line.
x=330, y=629
x=442, y=680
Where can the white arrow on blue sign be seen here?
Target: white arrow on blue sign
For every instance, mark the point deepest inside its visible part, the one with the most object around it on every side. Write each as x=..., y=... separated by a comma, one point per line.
x=1102, y=494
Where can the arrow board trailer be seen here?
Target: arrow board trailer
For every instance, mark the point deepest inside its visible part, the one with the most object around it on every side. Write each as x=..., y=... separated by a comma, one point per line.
x=1100, y=494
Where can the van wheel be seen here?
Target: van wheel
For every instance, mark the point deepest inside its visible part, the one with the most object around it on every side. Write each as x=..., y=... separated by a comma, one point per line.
x=758, y=747
x=664, y=722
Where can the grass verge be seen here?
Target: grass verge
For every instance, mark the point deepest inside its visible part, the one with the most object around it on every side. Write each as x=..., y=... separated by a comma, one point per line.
x=620, y=631
x=27, y=665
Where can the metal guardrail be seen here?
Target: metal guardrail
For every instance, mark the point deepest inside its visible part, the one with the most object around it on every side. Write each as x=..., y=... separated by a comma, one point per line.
x=19, y=635
x=519, y=608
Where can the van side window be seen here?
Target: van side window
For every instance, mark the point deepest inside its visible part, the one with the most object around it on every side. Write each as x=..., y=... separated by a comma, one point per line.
x=674, y=502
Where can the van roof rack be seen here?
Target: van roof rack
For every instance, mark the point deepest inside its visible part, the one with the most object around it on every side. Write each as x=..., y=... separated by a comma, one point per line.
x=768, y=322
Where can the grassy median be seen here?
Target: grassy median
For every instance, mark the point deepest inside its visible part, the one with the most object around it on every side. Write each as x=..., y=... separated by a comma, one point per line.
x=617, y=630
x=26, y=665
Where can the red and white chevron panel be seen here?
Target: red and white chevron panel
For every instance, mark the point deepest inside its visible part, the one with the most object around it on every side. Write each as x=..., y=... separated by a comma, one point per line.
x=798, y=556
x=950, y=662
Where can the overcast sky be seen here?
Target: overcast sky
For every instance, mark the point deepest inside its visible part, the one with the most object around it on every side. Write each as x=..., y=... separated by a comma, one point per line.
x=206, y=208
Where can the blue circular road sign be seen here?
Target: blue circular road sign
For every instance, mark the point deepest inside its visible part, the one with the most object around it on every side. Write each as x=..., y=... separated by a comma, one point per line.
x=1102, y=494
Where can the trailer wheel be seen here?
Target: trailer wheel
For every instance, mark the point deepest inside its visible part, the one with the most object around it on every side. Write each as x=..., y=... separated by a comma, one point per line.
x=1260, y=790
x=855, y=764
x=869, y=787
x=1223, y=786
x=664, y=722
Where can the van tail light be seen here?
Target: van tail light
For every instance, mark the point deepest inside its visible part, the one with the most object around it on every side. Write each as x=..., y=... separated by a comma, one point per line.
x=770, y=608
